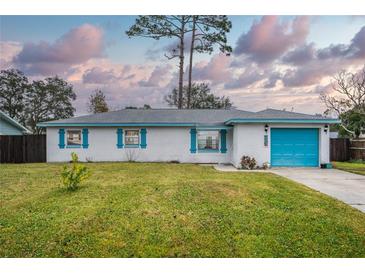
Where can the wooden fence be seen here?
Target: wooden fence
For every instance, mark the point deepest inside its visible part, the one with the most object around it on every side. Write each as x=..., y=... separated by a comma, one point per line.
x=23, y=149
x=357, y=149
x=340, y=149
x=344, y=149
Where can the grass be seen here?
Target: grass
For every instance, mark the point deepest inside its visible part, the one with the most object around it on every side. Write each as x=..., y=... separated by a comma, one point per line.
x=170, y=210
x=353, y=167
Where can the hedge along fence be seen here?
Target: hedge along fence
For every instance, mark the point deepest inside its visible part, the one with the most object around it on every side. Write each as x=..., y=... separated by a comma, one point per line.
x=22, y=149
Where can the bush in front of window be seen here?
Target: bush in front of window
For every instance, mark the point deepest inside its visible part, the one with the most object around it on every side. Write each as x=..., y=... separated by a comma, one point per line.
x=131, y=155
x=248, y=162
x=72, y=176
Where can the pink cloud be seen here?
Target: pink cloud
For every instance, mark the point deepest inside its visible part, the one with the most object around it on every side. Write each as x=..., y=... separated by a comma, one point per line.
x=312, y=65
x=8, y=50
x=98, y=75
x=78, y=45
x=300, y=55
x=249, y=76
x=270, y=38
x=216, y=70
x=157, y=77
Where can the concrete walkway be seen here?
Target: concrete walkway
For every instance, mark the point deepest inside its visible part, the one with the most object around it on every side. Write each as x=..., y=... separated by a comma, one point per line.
x=344, y=186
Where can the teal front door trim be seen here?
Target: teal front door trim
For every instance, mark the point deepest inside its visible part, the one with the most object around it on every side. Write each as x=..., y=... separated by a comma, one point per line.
x=294, y=147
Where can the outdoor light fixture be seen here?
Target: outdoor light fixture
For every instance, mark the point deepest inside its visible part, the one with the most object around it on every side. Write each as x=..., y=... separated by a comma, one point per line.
x=325, y=128
x=266, y=128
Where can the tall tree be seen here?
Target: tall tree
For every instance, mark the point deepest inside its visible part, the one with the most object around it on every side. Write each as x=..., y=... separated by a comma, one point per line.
x=207, y=31
x=13, y=88
x=49, y=99
x=163, y=26
x=97, y=102
x=201, y=98
x=349, y=102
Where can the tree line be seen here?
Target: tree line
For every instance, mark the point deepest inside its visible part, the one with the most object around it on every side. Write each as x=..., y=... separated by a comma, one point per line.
x=31, y=102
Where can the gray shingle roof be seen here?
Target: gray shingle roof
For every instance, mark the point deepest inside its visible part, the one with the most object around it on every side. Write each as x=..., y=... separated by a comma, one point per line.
x=15, y=123
x=179, y=116
x=282, y=114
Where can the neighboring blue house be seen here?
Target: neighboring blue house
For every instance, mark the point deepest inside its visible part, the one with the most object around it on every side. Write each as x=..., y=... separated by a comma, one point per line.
x=9, y=126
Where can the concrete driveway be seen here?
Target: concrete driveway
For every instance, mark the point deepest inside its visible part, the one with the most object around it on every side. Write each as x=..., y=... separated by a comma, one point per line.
x=345, y=186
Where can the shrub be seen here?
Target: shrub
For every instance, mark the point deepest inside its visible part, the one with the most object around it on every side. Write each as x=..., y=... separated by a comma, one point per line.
x=265, y=165
x=89, y=159
x=131, y=155
x=73, y=176
x=248, y=162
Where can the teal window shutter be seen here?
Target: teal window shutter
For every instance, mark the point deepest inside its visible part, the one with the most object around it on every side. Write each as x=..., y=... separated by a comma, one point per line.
x=223, y=140
x=119, y=138
x=61, y=138
x=193, y=140
x=85, y=138
x=143, y=138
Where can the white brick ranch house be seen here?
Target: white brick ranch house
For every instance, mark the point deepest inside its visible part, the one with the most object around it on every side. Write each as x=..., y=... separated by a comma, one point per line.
x=279, y=138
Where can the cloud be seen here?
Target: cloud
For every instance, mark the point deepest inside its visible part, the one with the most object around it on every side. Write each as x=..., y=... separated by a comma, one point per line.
x=104, y=72
x=300, y=55
x=77, y=46
x=272, y=66
x=217, y=70
x=354, y=50
x=159, y=50
x=123, y=85
x=8, y=50
x=97, y=75
x=251, y=74
x=357, y=46
x=270, y=38
x=311, y=65
x=157, y=77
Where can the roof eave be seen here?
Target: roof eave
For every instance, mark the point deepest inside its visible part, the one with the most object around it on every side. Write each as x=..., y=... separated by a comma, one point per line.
x=283, y=120
x=15, y=123
x=55, y=124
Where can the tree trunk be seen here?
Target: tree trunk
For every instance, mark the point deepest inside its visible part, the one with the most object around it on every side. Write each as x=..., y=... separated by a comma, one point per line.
x=191, y=62
x=181, y=65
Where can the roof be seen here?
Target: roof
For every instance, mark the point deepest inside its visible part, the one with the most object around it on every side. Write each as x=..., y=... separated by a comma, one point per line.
x=185, y=117
x=13, y=122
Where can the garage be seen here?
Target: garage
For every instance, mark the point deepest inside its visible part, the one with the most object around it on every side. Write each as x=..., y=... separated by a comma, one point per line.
x=294, y=147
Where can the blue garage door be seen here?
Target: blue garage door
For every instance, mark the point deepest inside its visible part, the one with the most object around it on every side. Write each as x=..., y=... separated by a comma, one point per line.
x=294, y=147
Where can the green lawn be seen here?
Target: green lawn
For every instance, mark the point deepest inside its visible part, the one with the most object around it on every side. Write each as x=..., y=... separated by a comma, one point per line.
x=358, y=168
x=170, y=210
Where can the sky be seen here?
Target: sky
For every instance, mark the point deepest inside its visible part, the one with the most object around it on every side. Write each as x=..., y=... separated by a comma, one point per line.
x=282, y=62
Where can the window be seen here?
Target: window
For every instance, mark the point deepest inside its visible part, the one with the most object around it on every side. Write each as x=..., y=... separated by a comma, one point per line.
x=132, y=137
x=208, y=140
x=74, y=137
